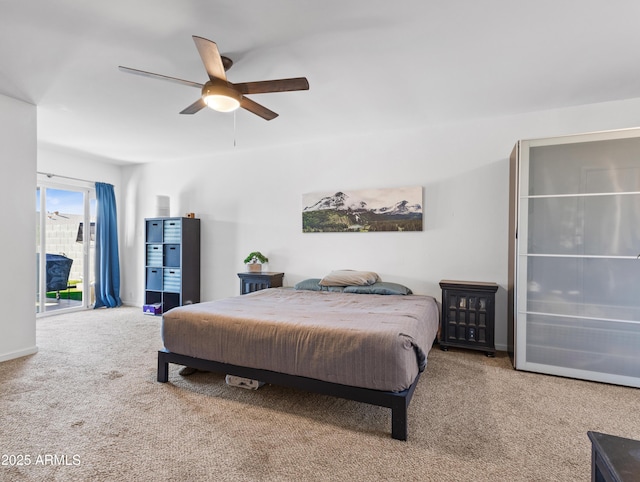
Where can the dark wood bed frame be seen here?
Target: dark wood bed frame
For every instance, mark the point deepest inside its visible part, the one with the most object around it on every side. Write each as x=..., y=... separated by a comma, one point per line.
x=398, y=402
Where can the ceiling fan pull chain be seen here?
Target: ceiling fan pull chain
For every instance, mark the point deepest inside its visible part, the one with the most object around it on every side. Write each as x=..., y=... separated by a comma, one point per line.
x=234, y=128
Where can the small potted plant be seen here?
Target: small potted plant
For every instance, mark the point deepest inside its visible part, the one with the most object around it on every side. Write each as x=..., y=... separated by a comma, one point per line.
x=254, y=261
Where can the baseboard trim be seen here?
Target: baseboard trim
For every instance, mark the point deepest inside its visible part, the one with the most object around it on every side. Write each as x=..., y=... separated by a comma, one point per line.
x=18, y=354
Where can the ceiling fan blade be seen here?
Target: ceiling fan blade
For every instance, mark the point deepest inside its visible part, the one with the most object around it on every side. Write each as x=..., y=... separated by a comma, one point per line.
x=279, y=85
x=159, y=76
x=210, y=56
x=195, y=107
x=257, y=109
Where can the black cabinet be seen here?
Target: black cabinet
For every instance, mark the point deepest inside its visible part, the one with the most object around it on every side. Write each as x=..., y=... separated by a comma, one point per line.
x=172, y=263
x=614, y=459
x=468, y=315
x=250, y=282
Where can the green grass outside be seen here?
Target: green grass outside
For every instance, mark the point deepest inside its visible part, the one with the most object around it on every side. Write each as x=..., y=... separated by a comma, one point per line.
x=70, y=294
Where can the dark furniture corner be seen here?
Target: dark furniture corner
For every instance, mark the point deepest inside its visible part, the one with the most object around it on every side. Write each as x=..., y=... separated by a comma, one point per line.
x=468, y=315
x=250, y=282
x=614, y=459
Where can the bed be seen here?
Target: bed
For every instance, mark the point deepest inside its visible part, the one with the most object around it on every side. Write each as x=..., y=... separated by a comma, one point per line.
x=370, y=348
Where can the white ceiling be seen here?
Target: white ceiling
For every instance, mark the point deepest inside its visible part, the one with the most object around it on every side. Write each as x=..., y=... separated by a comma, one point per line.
x=372, y=65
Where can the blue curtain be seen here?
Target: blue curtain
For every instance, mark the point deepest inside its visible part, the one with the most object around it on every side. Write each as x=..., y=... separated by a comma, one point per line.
x=107, y=261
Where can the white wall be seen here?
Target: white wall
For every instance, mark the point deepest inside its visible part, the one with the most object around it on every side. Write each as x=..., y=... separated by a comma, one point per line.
x=251, y=200
x=77, y=165
x=17, y=243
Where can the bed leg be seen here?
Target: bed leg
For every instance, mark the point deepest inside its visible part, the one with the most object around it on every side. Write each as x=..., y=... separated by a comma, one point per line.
x=163, y=368
x=399, y=419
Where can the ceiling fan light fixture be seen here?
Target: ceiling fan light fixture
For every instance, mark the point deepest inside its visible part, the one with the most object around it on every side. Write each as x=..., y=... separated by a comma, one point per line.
x=221, y=97
x=221, y=103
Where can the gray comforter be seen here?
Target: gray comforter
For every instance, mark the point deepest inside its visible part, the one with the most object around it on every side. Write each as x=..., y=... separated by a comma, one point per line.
x=369, y=341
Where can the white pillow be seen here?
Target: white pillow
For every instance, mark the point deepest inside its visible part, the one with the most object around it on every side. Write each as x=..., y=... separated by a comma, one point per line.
x=348, y=277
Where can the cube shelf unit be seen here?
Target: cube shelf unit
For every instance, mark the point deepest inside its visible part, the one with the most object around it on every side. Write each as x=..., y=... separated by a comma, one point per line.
x=172, y=262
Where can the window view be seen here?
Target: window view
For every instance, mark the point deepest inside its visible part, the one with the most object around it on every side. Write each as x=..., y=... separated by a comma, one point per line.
x=64, y=249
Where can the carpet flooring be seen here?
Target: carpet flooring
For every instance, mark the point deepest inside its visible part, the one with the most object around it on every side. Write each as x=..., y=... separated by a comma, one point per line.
x=88, y=407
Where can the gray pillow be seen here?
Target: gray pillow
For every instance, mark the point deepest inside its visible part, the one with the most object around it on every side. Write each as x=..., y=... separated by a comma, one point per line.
x=333, y=289
x=311, y=284
x=379, y=288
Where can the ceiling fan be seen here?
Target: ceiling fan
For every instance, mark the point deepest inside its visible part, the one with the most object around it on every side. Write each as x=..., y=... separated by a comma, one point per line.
x=222, y=95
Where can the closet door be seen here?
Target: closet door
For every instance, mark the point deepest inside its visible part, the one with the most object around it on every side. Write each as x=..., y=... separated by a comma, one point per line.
x=578, y=272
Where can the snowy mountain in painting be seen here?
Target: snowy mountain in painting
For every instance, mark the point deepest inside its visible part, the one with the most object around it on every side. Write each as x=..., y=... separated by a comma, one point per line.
x=339, y=201
x=400, y=208
x=343, y=202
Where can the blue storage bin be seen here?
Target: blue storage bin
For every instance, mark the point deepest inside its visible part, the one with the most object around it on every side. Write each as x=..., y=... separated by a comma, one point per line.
x=172, y=230
x=154, y=231
x=154, y=255
x=172, y=255
x=171, y=280
x=154, y=279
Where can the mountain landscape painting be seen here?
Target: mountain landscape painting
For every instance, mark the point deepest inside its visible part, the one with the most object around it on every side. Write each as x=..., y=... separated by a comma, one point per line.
x=365, y=210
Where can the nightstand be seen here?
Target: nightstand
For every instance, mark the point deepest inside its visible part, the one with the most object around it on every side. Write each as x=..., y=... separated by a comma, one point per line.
x=613, y=458
x=468, y=315
x=250, y=282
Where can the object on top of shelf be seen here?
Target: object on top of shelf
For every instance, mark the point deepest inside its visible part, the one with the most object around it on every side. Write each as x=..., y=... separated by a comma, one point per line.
x=254, y=261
